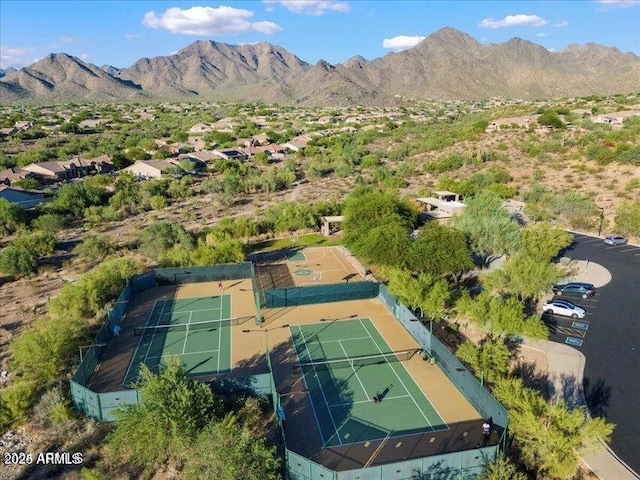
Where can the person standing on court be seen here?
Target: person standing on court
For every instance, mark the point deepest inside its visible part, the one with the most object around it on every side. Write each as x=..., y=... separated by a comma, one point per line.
x=486, y=429
x=116, y=330
x=220, y=287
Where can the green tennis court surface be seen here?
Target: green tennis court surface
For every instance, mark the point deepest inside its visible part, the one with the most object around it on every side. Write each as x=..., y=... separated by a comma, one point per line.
x=342, y=392
x=196, y=330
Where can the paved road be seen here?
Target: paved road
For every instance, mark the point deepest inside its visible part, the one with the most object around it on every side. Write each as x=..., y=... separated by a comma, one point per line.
x=612, y=345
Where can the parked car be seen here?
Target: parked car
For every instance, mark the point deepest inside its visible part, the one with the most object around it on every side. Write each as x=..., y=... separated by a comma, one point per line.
x=564, y=308
x=615, y=240
x=579, y=289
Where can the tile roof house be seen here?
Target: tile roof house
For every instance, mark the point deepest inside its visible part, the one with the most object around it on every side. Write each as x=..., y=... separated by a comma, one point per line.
x=230, y=154
x=145, y=169
x=24, y=198
x=10, y=175
x=297, y=143
x=75, y=168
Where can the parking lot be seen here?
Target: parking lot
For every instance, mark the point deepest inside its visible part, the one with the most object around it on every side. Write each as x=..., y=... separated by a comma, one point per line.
x=609, y=337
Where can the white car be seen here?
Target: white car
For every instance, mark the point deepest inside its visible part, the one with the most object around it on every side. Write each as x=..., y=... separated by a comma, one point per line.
x=615, y=240
x=564, y=308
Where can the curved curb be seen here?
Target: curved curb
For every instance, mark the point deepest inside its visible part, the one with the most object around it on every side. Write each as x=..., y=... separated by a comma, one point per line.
x=571, y=362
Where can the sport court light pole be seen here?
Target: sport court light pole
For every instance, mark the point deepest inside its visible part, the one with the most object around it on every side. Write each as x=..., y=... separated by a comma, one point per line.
x=601, y=219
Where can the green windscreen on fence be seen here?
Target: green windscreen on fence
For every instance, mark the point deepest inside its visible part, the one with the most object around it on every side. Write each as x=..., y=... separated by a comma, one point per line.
x=336, y=292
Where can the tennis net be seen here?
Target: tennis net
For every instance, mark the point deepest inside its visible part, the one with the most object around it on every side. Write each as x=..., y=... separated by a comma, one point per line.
x=187, y=327
x=360, y=361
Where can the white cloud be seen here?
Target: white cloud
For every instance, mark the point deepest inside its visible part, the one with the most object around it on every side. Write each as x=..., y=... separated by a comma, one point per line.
x=514, y=21
x=564, y=23
x=401, y=42
x=84, y=56
x=132, y=36
x=619, y=3
x=311, y=7
x=552, y=50
x=540, y=35
x=208, y=21
x=16, y=57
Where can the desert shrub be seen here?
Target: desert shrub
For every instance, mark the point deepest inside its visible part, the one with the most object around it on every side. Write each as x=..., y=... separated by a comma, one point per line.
x=12, y=217
x=45, y=351
x=95, y=247
x=39, y=243
x=17, y=261
x=15, y=403
x=52, y=409
x=49, y=222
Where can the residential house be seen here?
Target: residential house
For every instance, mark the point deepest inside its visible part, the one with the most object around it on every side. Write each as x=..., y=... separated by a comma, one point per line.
x=201, y=128
x=25, y=198
x=5, y=132
x=146, y=169
x=231, y=154
x=204, y=156
x=10, y=175
x=298, y=143
x=51, y=172
x=443, y=204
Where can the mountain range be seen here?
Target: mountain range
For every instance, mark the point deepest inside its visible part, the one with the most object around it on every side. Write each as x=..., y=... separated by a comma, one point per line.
x=446, y=65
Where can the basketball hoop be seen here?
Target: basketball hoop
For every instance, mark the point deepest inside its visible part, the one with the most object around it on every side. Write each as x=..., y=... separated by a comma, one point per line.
x=316, y=276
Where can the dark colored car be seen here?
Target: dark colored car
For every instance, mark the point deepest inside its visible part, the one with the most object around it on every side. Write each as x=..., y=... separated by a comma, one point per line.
x=578, y=289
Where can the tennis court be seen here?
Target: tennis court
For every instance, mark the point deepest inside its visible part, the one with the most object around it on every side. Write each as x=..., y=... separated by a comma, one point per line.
x=345, y=365
x=197, y=330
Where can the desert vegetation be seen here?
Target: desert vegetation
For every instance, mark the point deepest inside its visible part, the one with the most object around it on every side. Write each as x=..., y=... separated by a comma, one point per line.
x=64, y=261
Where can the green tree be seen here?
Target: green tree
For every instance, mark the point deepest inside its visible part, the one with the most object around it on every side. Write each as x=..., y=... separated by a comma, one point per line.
x=12, y=217
x=551, y=119
x=490, y=361
x=226, y=450
x=500, y=317
x=422, y=292
x=27, y=183
x=543, y=241
x=501, y=469
x=366, y=208
x=386, y=245
x=491, y=230
x=524, y=276
x=172, y=411
x=550, y=436
x=440, y=250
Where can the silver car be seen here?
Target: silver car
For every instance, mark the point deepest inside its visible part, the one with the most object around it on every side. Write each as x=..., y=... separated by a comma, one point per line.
x=615, y=240
x=564, y=308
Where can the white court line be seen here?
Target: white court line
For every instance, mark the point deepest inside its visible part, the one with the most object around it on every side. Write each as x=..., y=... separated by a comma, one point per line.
x=340, y=262
x=333, y=341
x=183, y=354
x=189, y=311
x=326, y=402
x=164, y=302
x=630, y=249
x=386, y=399
x=186, y=335
x=398, y=377
x=306, y=386
x=366, y=395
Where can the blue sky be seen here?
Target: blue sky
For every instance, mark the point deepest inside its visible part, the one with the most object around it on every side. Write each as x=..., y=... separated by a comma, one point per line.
x=119, y=32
